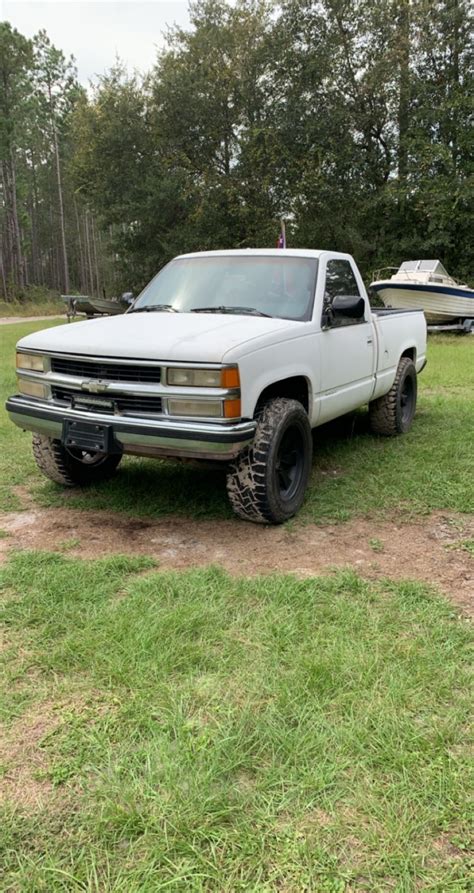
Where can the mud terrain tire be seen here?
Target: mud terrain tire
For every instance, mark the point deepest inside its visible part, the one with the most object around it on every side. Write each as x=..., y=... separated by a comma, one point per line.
x=62, y=467
x=268, y=481
x=393, y=413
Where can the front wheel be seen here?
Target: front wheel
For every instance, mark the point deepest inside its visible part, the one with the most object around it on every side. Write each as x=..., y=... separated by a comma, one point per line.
x=72, y=467
x=268, y=481
x=393, y=413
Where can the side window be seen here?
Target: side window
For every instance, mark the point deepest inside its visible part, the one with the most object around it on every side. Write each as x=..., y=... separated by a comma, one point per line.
x=340, y=280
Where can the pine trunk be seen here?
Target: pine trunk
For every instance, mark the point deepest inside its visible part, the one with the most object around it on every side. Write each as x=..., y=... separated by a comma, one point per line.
x=82, y=263
x=3, y=276
x=14, y=260
x=94, y=254
x=89, y=256
x=404, y=89
x=62, y=227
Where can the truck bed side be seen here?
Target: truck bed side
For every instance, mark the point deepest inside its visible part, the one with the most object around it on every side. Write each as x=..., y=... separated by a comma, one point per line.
x=399, y=333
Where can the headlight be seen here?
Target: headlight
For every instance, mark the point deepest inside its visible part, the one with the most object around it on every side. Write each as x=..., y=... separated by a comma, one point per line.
x=31, y=361
x=204, y=378
x=195, y=407
x=32, y=388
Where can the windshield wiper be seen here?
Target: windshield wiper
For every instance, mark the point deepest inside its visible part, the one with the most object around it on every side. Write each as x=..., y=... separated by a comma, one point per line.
x=250, y=311
x=158, y=308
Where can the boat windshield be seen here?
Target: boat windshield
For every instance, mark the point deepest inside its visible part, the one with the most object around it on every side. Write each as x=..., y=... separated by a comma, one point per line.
x=262, y=285
x=423, y=266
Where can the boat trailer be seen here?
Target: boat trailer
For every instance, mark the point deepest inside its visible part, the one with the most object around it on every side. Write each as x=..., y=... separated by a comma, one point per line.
x=465, y=327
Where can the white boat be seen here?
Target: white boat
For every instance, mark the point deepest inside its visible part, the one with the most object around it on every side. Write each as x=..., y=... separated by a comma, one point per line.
x=424, y=285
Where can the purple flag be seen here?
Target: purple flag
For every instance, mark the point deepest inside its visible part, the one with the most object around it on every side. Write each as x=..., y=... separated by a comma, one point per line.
x=281, y=242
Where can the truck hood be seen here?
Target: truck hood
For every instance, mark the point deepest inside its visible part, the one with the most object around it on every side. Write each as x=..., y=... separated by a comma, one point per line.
x=188, y=337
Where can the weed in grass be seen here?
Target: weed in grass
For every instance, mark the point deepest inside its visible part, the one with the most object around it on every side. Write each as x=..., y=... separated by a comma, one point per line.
x=463, y=545
x=457, y=523
x=222, y=734
x=376, y=545
x=72, y=543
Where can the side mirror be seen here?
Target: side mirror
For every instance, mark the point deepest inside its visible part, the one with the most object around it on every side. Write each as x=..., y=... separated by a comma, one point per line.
x=352, y=306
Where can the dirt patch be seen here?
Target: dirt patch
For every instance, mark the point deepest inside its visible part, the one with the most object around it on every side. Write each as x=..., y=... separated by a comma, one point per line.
x=22, y=760
x=445, y=847
x=25, y=757
x=428, y=549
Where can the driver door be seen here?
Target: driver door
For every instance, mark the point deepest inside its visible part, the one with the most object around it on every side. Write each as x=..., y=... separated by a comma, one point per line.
x=348, y=350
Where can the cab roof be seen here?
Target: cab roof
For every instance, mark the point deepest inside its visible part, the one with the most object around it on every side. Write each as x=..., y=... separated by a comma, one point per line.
x=262, y=252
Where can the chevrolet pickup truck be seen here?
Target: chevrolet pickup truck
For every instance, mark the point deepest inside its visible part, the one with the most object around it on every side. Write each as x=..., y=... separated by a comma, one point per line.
x=232, y=356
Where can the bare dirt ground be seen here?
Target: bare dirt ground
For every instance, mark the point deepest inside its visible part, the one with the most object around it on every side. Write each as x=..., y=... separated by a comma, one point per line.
x=25, y=759
x=21, y=752
x=429, y=549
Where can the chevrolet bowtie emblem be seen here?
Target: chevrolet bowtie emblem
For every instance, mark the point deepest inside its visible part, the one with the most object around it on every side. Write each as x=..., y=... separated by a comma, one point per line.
x=95, y=386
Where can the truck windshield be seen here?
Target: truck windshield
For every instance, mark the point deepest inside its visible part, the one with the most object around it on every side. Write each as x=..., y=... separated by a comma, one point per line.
x=260, y=285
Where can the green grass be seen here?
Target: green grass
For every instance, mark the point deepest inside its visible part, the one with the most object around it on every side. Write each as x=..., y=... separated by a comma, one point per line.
x=354, y=473
x=204, y=733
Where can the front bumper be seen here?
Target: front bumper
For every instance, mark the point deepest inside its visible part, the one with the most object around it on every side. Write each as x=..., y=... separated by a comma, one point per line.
x=139, y=436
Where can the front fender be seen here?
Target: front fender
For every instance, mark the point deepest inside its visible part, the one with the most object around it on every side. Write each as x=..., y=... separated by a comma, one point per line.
x=268, y=365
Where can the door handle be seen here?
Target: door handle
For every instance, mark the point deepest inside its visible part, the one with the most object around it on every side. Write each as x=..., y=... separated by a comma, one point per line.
x=369, y=340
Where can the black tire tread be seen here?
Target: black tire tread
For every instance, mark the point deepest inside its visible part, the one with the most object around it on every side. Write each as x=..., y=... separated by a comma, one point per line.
x=246, y=487
x=49, y=459
x=383, y=411
x=57, y=465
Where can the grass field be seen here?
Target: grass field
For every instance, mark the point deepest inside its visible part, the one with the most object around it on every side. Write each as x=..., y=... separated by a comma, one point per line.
x=198, y=733
x=354, y=473
x=193, y=732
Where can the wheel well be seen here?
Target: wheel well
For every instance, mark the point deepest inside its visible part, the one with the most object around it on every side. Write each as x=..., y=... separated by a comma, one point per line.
x=295, y=388
x=410, y=352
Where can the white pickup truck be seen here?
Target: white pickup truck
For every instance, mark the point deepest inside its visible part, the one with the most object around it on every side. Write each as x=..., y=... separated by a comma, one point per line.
x=226, y=355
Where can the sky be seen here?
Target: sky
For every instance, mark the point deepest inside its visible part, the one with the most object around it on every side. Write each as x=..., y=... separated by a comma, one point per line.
x=96, y=31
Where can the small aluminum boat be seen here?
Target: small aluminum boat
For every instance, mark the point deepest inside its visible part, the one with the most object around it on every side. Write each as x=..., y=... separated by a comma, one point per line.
x=94, y=306
x=108, y=306
x=424, y=285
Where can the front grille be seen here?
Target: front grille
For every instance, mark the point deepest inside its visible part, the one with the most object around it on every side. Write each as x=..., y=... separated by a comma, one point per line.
x=125, y=405
x=106, y=371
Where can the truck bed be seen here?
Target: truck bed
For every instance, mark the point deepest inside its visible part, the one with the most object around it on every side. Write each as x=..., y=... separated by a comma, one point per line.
x=391, y=311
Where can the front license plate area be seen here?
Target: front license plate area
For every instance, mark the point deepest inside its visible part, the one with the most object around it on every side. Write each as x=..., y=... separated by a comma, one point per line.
x=90, y=437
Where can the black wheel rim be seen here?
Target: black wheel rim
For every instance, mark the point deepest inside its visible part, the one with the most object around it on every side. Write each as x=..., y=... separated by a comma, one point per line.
x=406, y=399
x=289, y=464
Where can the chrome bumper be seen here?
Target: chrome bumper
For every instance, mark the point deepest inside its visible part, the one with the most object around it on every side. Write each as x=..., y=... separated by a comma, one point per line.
x=139, y=436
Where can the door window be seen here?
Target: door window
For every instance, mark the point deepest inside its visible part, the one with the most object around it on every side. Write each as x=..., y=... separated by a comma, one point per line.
x=340, y=280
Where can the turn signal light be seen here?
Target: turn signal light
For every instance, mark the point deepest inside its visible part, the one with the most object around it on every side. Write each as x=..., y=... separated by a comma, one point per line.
x=232, y=409
x=230, y=377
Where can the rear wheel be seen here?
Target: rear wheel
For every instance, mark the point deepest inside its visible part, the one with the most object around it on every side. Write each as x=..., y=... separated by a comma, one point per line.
x=72, y=467
x=268, y=481
x=393, y=413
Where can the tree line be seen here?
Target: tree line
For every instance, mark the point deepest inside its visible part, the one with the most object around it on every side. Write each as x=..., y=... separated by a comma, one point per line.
x=352, y=119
